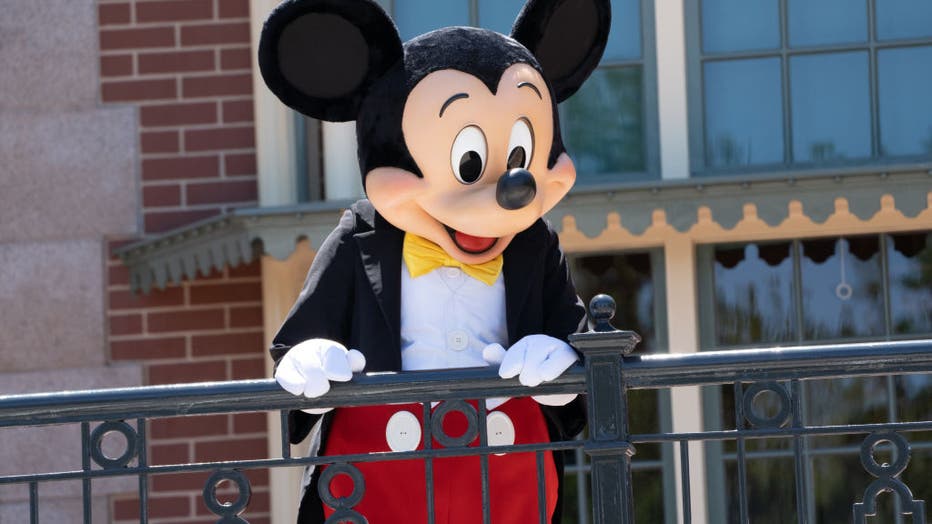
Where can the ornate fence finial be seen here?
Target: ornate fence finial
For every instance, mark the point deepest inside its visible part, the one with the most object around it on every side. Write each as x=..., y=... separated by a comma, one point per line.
x=602, y=311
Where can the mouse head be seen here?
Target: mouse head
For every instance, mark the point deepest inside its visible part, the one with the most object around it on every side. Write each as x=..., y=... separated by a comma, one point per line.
x=457, y=129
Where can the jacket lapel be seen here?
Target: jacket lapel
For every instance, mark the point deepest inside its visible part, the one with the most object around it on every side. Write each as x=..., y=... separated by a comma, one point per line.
x=380, y=251
x=521, y=264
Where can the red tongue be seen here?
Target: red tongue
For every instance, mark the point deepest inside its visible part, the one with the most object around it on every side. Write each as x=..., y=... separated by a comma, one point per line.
x=473, y=244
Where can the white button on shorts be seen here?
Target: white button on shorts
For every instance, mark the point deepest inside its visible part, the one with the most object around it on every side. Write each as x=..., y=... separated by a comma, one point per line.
x=403, y=432
x=457, y=340
x=501, y=430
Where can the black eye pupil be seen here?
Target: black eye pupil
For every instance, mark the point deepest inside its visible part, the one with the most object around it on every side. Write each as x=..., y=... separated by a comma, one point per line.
x=516, y=157
x=470, y=167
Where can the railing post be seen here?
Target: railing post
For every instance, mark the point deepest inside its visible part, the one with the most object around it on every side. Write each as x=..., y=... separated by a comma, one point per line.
x=608, y=447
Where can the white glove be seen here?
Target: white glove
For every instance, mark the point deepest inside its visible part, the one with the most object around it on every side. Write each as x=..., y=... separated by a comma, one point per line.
x=534, y=359
x=308, y=367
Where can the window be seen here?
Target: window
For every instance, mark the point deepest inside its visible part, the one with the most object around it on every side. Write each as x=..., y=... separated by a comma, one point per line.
x=635, y=281
x=868, y=287
x=609, y=126
x=803, y=83
x=823, y=290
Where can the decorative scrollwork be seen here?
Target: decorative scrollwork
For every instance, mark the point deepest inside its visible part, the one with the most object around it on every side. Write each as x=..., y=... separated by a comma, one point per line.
x=472, y=423
x=343, y=505
x=228, y=511
x=887, y=478
x=96, y=448
x=777, y=420
x=344, y=516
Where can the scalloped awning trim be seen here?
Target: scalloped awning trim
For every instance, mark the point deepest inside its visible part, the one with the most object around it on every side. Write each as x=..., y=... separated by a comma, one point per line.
x=243, y=235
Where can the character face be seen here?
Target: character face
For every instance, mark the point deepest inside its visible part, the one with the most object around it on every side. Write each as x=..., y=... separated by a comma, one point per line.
x=483, y=157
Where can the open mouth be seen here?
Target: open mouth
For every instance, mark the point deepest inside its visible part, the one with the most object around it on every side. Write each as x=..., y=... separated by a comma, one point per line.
x=471, y=244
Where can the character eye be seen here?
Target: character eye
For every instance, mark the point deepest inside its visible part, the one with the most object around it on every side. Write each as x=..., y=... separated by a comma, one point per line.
x=520, y=145
x=469, y=154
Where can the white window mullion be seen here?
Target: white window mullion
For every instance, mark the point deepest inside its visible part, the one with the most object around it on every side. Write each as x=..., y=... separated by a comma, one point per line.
x=679, y=257
x=276, y=157
x=342, y=180
x=671, y=89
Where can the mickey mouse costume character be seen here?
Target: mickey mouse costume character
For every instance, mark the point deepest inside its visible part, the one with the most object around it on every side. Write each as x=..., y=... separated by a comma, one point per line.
x=448, y=262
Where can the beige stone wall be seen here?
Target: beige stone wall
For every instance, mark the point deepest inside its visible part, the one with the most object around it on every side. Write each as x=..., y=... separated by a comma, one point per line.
x=68, y=180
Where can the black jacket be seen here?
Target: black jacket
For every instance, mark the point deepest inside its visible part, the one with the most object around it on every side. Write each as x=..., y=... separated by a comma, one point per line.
x=353, y=295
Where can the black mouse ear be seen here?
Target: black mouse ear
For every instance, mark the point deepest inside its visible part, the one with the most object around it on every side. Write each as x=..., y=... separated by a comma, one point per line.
x=320, y=56
x=567, y=37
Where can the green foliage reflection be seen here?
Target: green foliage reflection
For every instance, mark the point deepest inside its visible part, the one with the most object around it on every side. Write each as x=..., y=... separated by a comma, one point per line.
x=602, y=124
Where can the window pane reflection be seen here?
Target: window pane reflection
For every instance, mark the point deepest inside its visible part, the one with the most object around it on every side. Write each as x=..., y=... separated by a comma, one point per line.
x=842, y=293
x=843, y=290
x=913, y=394
x=744, y=112
x=819, y=22
x=602, y=123
x=846, y=401
x=770, y=498
x=740, y=25
x=831, y=106
x=649, y=503
x=837, y=481
x=412, y=19
x=499, y=15
x=905, y=105
x=629, y=280
x=903, y=19
x=754, y=294
x=909, y=258
x=624, y=37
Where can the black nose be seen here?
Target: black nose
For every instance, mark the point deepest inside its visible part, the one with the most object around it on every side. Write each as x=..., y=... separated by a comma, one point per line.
x=516, y=188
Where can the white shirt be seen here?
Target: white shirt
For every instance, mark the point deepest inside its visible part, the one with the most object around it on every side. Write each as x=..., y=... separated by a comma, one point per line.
x=448, y=318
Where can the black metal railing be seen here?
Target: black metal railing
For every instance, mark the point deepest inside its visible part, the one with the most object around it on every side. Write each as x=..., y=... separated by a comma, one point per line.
x=610, y=372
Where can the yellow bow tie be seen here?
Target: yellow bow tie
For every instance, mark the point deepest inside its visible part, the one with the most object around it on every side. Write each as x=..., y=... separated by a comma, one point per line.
x=423, y=256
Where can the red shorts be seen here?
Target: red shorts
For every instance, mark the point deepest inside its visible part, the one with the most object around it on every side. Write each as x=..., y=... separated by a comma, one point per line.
x=396, y=490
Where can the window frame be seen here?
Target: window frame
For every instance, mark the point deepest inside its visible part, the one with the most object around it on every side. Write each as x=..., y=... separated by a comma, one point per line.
x=309, y=184
x=696, y=59
x=705, y=275
x=657, y=257
x=717, y=459
x=649, y=109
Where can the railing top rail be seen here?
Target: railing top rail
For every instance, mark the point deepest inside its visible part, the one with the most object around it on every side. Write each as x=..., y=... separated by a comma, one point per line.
x=640, y=371
x=797, y=362
x=263, y=395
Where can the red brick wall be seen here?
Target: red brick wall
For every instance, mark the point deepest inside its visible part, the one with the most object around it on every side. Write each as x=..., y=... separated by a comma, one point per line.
x=187, y=66
x=206, y=330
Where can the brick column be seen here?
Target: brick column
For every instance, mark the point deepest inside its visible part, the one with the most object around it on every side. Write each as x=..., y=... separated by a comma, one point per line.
x=187, y=66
